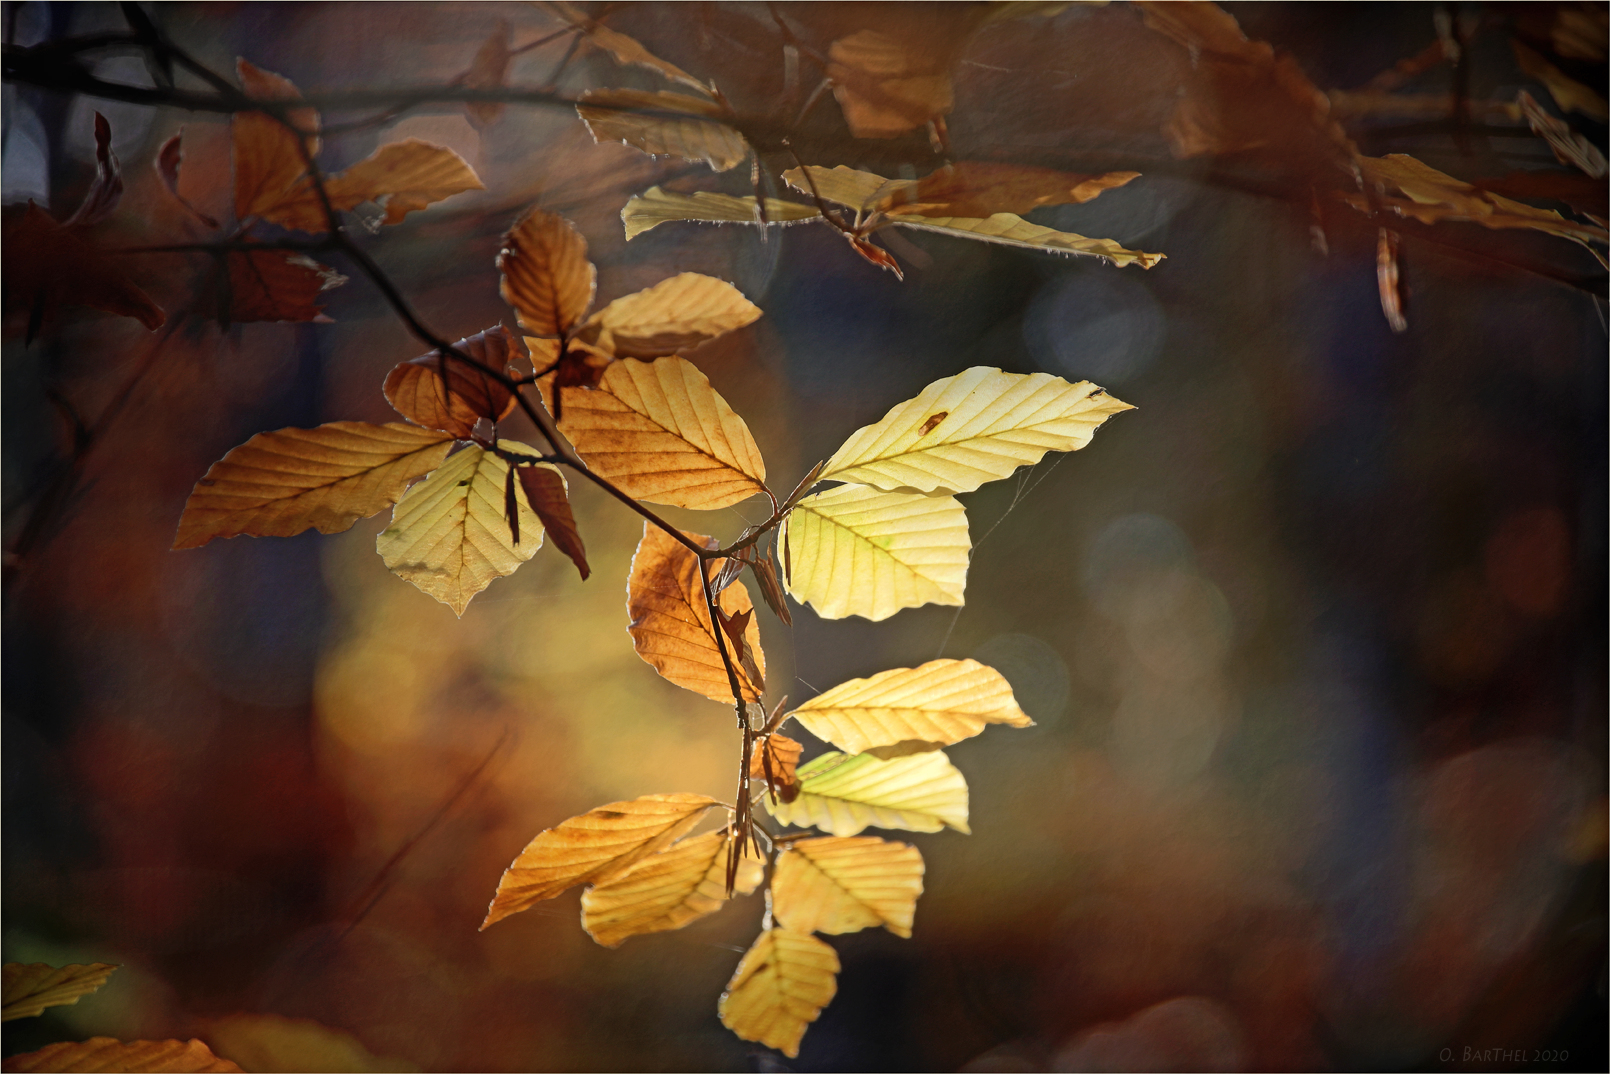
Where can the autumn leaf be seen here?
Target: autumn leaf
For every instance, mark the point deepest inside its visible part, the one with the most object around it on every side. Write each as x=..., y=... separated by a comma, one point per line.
x=837, y=885
x=663, y=124
x=782, y=984
x=977, y=189
x=168, y=160
x=667, y=890
x=549, y=497
x=625, y=50
x=269, y=164
x=31, y=987
x=853, y=550
x=448, y=534
x=46, y=264
x=280, y=483
x=942, y=701
x=661, y=433
x=654, y=207
x=401, y=177
x=268, y=1043
x=271, y=285
x=1568, y=93
x=670, y=622
x=771, y=589
x=546, y=275
x=849, y=187
x=841, y=795
x=775, y=759
x=105, y=1053
x=1569, y=147
x=977, y=426
x=676, y=313
x=486, y=72
x=593, y=848
x=416, y=390
x=106, y=190
x=889, y=84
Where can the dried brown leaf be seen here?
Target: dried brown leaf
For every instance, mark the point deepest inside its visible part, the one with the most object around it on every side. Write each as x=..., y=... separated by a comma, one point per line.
x=1387, y=282
x=545, y=491
x=31, y=987
x=105, y=1054
x=46, y=265
x=667, y=890
x=674, y=314
x=771, y=590
x=626, y=50
x=271, y=285
x=775, y=759
x=416, y=390
x=169, y=158
x=977, y=189
x=106, y=190
x=839, y=885
x=664, y=124
x=546, y=275
x=269, y=166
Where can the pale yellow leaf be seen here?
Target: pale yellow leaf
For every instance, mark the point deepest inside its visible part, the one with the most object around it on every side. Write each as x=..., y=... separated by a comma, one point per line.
x=134, y=1057
x=280, y=483
x=594, y=847
x=942, y=701
x=782, y=984
x=663, y=124
x=546, y=275
x=273, y=1044
x=976, y=426
x=662, y=434
x=31, y=987
x=843, y=185
x=841, y=795
x=853, y=550
x=449, y=535
x=1009, y=230
x=654, y=207
x=679, y=312
x=665, y=891
x=1431, y=195
x=838, y=885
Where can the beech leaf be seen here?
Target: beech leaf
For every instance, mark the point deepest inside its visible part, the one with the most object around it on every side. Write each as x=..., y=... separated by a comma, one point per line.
x=272, y=1042
x=625, y=50
x=46, y=264
x=31, y=987
x=977, y=189
x=663, y=124
x=546, y=275
x=654, y=207
x=977, y=426
x=280, y=483
x=942, y=701
x=416, y=390
x=593, y=848
x=549, y=497
x=135, y=1056
x=271, y=285
x=771, y=590
x=841, y=794
x=661, y=433
x=402, y=176
x=776, y=759
x=842, y=185
x=448, y=534
x=667, y=890
x=853, y=550
x=782, y=984
x=670, y=622
x=838, y=885
x=269, y=166
x=888, y=84
x=675, y=313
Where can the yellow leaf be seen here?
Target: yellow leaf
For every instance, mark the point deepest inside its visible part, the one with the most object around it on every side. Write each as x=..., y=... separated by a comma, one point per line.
x=976, y=426
x=840, y=794
x=280, y=483
x=654, y=207
x=403, y=176
x=31, y=987
x=692, y=130
x=836, y=885
x=670, y=622
x=1009, y=230
x=269, y=166
x=1431, y=195
x=625, y=50
x=135, y=1056
x=1568, y=93
x=843, y=185
x=888, y=84
x=682, y=311
x=853, y=550
x=594, y=847
x=662, y=434
x=942, y=701
x=546, y=275
x=971, y=188
x=272, y=1044
x=782, y=984
x=665, y=891
x=449, y=535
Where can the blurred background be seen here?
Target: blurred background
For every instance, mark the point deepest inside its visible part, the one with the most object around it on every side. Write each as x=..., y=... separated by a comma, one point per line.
x=1314, y=639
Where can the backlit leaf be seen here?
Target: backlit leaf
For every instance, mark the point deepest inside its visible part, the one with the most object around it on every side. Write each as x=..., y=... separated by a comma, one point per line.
x=942, y=701
x=625, y=50
x=888, y=84
x=661, y=124
x=782, y=984
x=662, y=434
x=280, y=483
x=402, y=176
x=269, y=166
x=853, y=550
x=135, y=1056
x=667, y=890
x=1568, y=93
x=273, y=1044
x=1009, y=230
x=971, y=188
x=416, y=390
x=549, y=497
x=31, y=987
x=593, y=848
x=842, y=185
x=654, y=207
x=976, y=426
x=271, y=285
x=837, y=885
x=448, y=534
x=841, y=795
x=546, y=275
x=777, y=756
x=679, y=312
x=670, y=622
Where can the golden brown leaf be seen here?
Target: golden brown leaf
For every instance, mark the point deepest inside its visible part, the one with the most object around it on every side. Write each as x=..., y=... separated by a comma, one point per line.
x=31, y=987
x=654, y=207
x=594, y=847
x=271, y=285
x=546, y=275
x=273, y=1044
x=839, y=885
x=402, y=176
x=416, y=390
x=889, y=84
x=1568, y=93
x=670, y=621
x=675, y=313
x=971, y=188
x=771, y=590
x=661, y=433
x=667, y=890
x=280, y=483
x=548, y=496
x=626, y=50
x=486, y=72
x=782, y=984
x=47, y=264
x=137, y=1056
x=269, y=164
x=663, y=124
x=775, y=759
x=942, y=701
